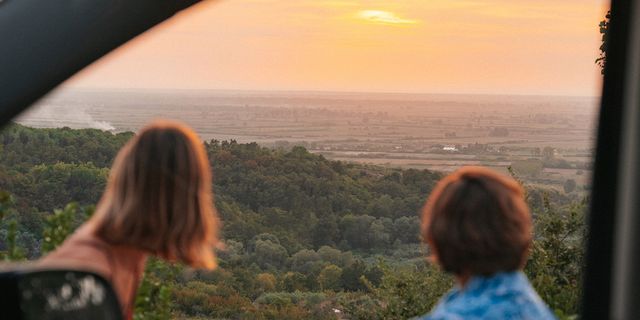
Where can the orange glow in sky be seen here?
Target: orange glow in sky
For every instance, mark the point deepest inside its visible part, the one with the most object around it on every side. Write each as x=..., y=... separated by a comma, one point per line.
x=384, y=17
x=434, y=46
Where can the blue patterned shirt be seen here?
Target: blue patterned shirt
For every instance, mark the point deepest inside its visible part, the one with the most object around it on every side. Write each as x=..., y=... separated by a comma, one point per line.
x=506, y=295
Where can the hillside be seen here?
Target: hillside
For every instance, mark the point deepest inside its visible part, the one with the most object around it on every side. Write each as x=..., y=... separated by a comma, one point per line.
x=305, y=236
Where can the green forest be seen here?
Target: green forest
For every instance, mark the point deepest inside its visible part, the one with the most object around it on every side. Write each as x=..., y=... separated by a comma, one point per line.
x=305, y=237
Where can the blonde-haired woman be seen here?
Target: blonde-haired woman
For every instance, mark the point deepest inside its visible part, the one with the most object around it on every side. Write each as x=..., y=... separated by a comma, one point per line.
x=158, y=201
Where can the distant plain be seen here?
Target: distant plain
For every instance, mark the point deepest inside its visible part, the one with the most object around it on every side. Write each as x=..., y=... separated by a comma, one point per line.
x=436, y=132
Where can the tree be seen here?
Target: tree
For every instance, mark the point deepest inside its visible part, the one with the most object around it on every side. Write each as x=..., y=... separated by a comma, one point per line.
x=335, y=256
x=58, y=227
x=404, y=293
x=529, y=168
x=305, y=261
x=266, y=282
x=153, y=301
x=410, y=293
x=13, y=252
x=548, y=153
x=601, y=61
x=407, y=229
x=6, y=204
x=293, y=281
x=378, y=237
x=305, y=203
x=82, y=183
x=325, y=232
x=329, y=278
x=351, y=276
x=499, y=132
x=556, y=261
x=569, y=186
x=269, y=254
x=355, y=230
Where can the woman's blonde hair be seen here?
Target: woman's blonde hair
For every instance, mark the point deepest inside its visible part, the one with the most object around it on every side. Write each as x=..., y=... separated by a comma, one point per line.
x=159, y=197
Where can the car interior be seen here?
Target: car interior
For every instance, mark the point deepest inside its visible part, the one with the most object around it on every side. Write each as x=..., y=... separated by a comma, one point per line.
x=46, y=42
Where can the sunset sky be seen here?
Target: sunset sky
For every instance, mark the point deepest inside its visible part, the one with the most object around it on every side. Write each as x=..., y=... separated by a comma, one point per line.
x=422, y=46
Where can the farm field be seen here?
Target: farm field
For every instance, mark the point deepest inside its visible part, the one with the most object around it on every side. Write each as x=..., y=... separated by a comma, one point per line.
x=437, y=132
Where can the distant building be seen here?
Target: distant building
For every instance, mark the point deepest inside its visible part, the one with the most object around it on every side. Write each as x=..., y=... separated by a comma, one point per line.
x=450, y=148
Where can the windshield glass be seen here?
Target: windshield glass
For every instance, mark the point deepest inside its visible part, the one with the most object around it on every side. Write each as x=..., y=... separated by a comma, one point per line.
x=328, y=123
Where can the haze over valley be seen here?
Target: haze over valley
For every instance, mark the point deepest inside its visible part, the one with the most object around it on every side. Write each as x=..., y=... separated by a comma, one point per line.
x=547, y=139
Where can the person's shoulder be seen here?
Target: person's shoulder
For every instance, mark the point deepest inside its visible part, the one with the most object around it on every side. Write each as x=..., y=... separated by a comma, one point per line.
x=458, y=305
x=516, y=299
x=442, y=316
x=80, y=251
x=523, y=310
x=501, y=296
x=446, y=308
x=518, y=306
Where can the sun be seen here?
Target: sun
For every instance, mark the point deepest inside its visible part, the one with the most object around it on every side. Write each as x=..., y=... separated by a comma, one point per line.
x=383, y=17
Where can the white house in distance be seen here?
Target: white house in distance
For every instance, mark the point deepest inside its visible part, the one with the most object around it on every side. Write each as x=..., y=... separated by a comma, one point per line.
x=450, y=148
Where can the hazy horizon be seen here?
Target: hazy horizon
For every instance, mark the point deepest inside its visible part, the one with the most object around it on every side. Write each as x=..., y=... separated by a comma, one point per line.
x=436, y=132
x=72, y=89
